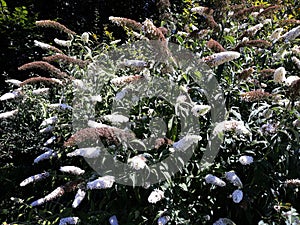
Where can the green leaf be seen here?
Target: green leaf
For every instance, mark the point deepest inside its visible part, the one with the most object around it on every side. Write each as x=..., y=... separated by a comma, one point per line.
x=179, y=39
x=183, y=186
x=230, y=39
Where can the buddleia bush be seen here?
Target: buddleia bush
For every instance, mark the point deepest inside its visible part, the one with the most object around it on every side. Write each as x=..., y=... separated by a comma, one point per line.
x=254, y=54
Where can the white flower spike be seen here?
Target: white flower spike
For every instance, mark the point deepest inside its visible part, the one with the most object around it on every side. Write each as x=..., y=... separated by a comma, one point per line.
x=113, y=220
x=237, y=196
x=246, y=160
x=78, y=198
x=138, y=162
x=211, y=179
x=45, y=155
x=85, y=152
x=34, y=178
x=233, y=178
x=72, y=169
x=155, y=196
x=69, y=220
x=101, y=183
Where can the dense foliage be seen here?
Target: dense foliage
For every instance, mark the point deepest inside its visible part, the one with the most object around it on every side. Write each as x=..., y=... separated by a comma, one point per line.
x=253, y=50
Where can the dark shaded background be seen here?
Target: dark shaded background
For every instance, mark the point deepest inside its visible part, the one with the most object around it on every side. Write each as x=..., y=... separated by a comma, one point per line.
x=16, y=45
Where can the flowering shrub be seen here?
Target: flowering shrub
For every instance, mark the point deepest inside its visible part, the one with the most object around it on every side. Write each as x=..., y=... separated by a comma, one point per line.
x=253, y=51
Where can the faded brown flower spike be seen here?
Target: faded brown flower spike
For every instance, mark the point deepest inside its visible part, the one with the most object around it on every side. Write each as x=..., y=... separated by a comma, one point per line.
x=41, y=65
x=215, y=46
x=54, y=24
x=110, y=134
x=66, y=59
x=41, y=79
x=120, y=21
x=256, y=95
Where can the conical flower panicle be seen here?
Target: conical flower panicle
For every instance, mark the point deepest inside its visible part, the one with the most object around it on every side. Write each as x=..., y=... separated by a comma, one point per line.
x=78, y=198
x=35, y=178
x=163, y=220
x=267, y=72
x=47, y=47
x=111, y=134
x=58, y=192
x=279, y=75
x=121, y=21
x=152, y=32
x=288, y=22
x=215, y=46
x=253, y=43
x=119, y=81
x=243, y=13
x=255, y=95
x=55, y=25
x=138, y=162
x=231, y=125
x=295, y=89
x=291, y=35
x=41, y=65
x=246, y=160
x=72, y=169
x=63, y=43
x=68, y=220
x=13, y=81
x=237, y=196
x=46, y=155
x=210, y=20
x=155, y=196
x=211, y=179
x=270, y=10
x=292, y=182
x=101, y=183
x=113, y=220
x=245, y=73
x=220, y=58
x=187, y=141
x=49, y=121
x=85, y=152
x=11, y=95
x=233, y=178
x=203, y=11
x=66, y=59
x=46, y=80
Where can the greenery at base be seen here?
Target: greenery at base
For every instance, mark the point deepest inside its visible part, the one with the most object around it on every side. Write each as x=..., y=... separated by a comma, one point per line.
x=273, y=143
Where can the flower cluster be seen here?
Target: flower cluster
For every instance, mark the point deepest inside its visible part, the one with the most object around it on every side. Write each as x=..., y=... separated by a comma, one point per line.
x=85, y=152
x=46, y=46
x=54, y=24
x=155, y=196
x=72, y=169
x=255, y=95
x=119, y=81
x=126, y=22
x=44, y=66
x=101, y=183
x=233, y=178
x=68, y=220
x=211, y=179
x=34, y=178
x=186, y=142
x=220, y=58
